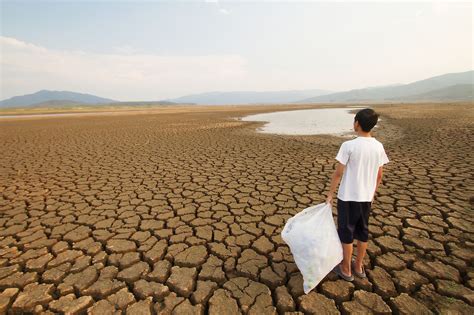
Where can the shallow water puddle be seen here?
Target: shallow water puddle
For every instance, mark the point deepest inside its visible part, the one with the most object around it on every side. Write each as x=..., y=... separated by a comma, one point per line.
x=333, y=121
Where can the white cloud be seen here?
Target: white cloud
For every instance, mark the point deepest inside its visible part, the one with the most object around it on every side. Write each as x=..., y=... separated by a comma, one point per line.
x=125, y=50
x=219, y=9
x=224, y=11
x=26, y=68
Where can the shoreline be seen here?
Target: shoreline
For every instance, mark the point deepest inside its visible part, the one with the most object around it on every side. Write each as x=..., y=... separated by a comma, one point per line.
x=119, y=110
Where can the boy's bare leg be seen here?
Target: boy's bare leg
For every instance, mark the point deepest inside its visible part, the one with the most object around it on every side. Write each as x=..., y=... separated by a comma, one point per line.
x=346, y=262
x=361, y=250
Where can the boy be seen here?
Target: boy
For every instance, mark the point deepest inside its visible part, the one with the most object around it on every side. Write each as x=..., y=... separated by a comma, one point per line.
x=360, y=166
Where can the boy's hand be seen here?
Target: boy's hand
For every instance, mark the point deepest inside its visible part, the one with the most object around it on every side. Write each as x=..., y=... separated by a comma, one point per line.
x=329, y=200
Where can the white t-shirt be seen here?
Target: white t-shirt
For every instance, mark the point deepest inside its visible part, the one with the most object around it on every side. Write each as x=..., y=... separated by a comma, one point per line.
x=362, y=157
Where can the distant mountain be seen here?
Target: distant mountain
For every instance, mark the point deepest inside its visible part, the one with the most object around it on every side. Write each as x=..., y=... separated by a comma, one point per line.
x=248, y=97
x=415, y=91
x=146, y=103
x=55, y=96
x=56, y=104
x=458, y=92
x=447, y=87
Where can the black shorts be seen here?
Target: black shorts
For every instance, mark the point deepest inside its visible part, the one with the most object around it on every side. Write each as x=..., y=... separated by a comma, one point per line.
x=353, y=220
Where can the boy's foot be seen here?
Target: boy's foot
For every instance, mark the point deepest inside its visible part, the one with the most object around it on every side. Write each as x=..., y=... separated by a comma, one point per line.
x=339, y=272
x=358, y=274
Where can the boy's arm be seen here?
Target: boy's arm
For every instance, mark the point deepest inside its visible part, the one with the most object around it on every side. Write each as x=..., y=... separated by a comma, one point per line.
x=379, y=179
x=336, y=178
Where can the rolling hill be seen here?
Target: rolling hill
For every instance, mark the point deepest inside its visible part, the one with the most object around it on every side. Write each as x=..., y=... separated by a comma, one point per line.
x=458, y=92
x=447, y=87
x=55, y=96
x=248, y=97
x=440, y=88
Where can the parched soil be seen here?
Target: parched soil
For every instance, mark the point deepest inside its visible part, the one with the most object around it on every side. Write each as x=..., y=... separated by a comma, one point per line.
x=180, y=212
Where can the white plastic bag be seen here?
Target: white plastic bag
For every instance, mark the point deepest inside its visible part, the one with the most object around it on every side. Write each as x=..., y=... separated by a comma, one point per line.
x=313, y=240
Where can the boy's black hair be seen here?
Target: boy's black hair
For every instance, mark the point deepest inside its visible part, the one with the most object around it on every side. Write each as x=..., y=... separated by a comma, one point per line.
x=367, y=119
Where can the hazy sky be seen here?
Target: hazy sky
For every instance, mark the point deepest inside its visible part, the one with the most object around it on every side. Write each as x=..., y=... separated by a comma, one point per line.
x=153, y=50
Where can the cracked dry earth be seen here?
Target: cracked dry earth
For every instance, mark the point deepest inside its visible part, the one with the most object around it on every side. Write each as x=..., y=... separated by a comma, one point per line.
x=181, y=213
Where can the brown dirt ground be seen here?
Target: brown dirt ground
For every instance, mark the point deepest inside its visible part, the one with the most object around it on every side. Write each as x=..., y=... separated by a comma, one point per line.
x=179, y=210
